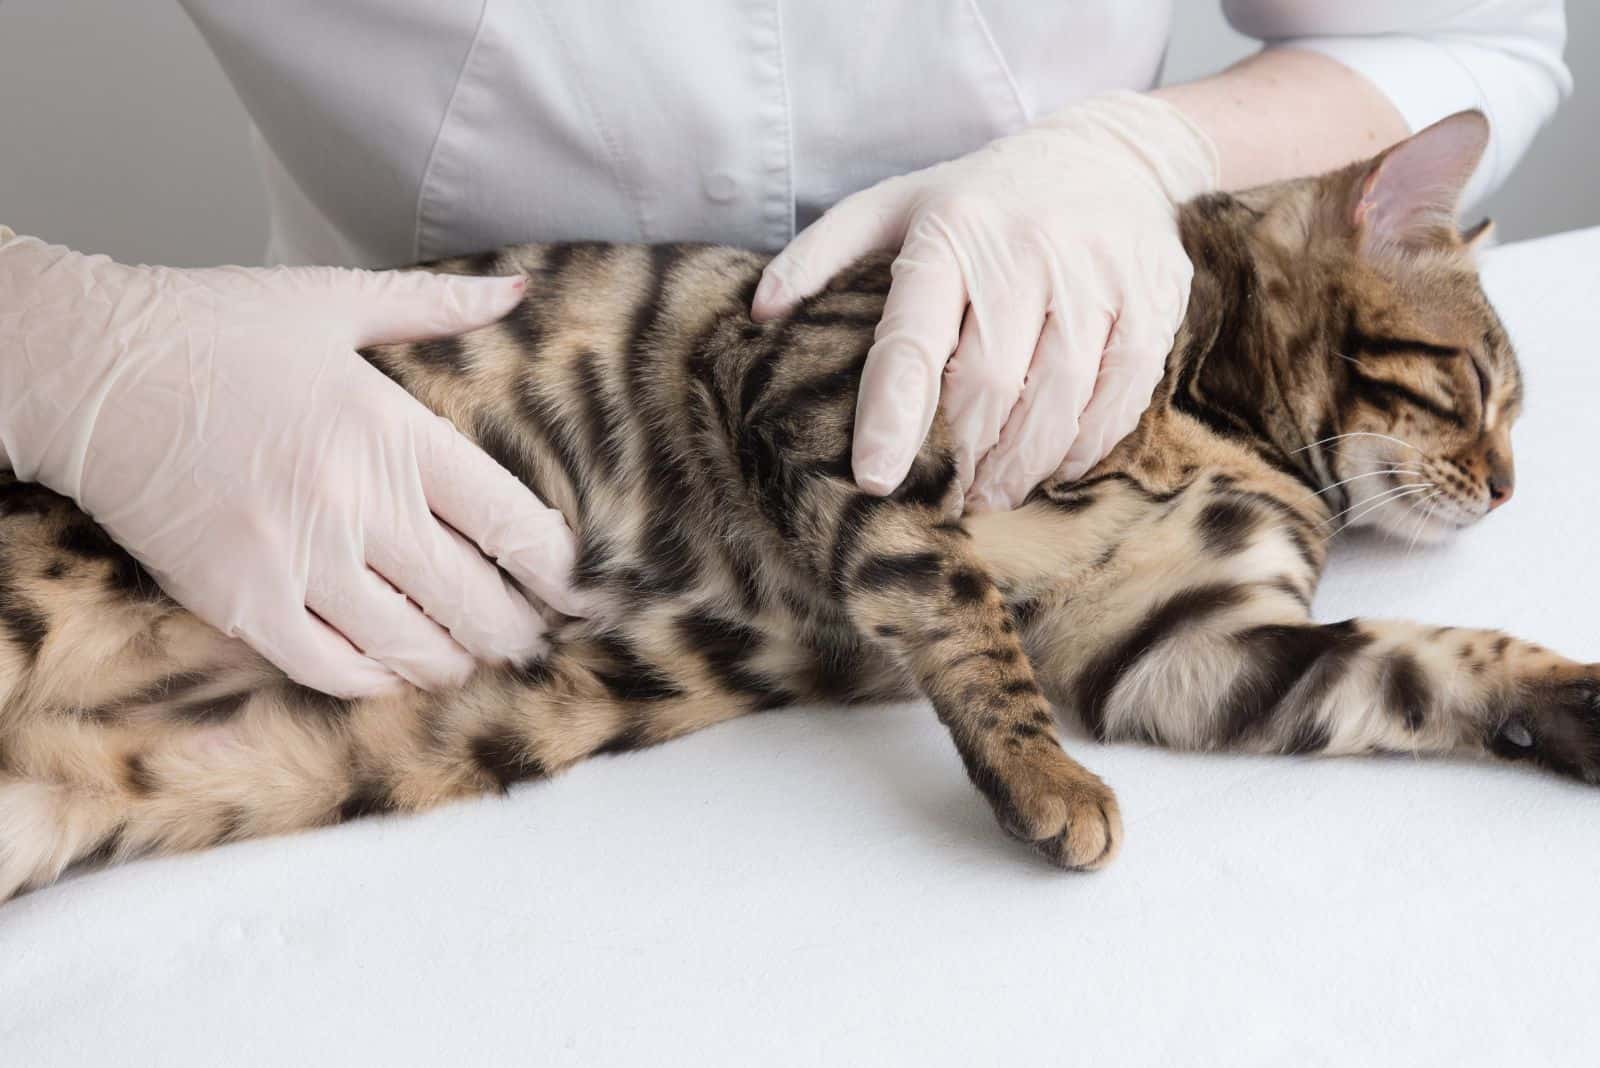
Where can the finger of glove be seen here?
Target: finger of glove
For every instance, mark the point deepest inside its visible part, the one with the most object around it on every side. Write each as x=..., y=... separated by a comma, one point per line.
x=904, y=370
x=1044, y=423
x=488, y=505
x=456, y=585
x=314, y=654
x=391, y=306
x=262, y=603
x=986, y=377
x=871, y=219
x=1135, y=357
x=378, y=620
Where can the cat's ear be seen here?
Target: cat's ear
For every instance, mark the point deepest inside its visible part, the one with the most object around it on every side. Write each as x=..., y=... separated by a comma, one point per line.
x=1409, y=195
x=1474, y=238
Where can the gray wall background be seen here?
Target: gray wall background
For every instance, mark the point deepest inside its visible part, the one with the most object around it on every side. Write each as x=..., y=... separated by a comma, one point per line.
x=119, y=134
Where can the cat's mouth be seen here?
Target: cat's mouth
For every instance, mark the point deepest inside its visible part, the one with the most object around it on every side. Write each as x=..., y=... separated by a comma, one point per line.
x=1431, y=524
x=1423, y=510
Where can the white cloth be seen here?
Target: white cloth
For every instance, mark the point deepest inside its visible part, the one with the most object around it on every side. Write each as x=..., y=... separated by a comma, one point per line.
x=822, y=887
x=397, y=130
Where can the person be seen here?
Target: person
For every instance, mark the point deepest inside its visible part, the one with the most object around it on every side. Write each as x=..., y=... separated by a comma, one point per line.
x=220, y=425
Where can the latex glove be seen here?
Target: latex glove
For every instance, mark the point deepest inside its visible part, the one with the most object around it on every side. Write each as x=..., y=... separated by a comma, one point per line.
x=219, y=425
x=1038, y=287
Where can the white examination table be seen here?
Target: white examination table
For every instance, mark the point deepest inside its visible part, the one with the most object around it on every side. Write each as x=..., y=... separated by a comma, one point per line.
x=823, y=887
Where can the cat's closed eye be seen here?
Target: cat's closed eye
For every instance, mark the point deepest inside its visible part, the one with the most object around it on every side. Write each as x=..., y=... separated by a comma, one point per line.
x=1483, y=383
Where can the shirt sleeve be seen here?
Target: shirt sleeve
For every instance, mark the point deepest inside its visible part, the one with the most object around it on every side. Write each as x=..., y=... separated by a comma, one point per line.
x=1432, y=58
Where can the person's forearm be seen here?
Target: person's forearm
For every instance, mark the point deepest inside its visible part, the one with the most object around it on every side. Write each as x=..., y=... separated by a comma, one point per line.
x=1285, y=113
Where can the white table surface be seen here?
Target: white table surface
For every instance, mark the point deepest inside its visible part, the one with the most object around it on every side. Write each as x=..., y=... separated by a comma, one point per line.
x=822, y=886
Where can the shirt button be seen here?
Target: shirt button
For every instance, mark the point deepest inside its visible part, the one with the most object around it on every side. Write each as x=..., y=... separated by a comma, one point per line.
x=721, y=187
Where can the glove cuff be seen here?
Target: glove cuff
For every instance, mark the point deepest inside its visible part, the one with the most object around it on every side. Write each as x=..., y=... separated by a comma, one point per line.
x=1178, y=154
x=54, y=353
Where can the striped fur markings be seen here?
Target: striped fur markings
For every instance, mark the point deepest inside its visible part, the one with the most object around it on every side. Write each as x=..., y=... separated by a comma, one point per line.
x=87, y=541
x=446, y=354
x=917, y=572
x=197, y=697
x=1097, y=683
x=1225, y=525
x=1306, y=660
x=1406, y=690
x=704, y=462
x=367, y=798
x=502, y=754
x=728, y=646
x=22, y=620
x=628, y=676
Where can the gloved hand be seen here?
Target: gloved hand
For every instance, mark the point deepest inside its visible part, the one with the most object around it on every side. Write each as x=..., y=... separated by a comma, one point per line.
x=219, y=425
x=1048, y=263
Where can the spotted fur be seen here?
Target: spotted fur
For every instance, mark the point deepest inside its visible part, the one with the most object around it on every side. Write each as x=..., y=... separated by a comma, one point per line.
x=704, y=462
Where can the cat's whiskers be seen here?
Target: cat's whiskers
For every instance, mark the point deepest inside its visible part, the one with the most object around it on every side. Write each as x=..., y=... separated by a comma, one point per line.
x=1358, y=434
x=1351, y=360
x=1379, y=499
x=1391, y=470
x=1394, y=471
x=1358, y=504
x=1394, y=466
x=1398, y=494
x=1432, y=501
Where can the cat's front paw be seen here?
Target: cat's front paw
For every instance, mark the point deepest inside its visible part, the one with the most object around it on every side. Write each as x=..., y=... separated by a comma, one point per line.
x=1554, y=720
x=1060, y=808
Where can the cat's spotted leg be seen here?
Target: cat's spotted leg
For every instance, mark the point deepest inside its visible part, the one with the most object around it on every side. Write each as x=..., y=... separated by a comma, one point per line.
x=1219, y=667
x=1474, y=691
x=921, y=590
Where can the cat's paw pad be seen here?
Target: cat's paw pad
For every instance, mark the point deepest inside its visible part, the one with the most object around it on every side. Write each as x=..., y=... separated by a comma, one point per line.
x=1062, y=810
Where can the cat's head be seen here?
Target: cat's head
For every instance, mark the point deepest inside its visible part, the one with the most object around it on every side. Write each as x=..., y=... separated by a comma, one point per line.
x=1405, y=379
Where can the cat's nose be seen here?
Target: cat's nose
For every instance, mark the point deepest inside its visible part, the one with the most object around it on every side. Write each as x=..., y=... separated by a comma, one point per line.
x=1502, y=480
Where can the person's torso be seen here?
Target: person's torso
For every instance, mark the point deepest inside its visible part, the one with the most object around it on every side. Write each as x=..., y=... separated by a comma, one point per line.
x=399, y=130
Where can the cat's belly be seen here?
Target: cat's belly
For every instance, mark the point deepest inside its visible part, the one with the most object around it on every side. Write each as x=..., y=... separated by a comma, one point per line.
x=801, y=652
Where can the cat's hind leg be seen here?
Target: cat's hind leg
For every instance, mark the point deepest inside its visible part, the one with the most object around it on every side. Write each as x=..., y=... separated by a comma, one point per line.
x=86, y=641
x=167, y=773
x=128, y=727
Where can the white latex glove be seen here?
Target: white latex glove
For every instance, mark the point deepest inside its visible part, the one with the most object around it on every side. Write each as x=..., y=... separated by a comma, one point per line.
x=1059, y=249
x=219, y=425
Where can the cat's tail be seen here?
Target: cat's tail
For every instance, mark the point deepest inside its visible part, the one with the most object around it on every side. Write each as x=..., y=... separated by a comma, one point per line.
x=279, y=758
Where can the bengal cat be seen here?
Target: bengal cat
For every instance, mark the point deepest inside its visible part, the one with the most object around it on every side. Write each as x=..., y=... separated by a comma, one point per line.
x=1338, y=364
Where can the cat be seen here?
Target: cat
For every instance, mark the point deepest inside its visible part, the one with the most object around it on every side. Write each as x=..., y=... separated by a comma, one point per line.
x=1338, y=364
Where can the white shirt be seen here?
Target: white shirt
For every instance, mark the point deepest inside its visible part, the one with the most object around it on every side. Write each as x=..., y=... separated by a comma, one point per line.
x=398, y=130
